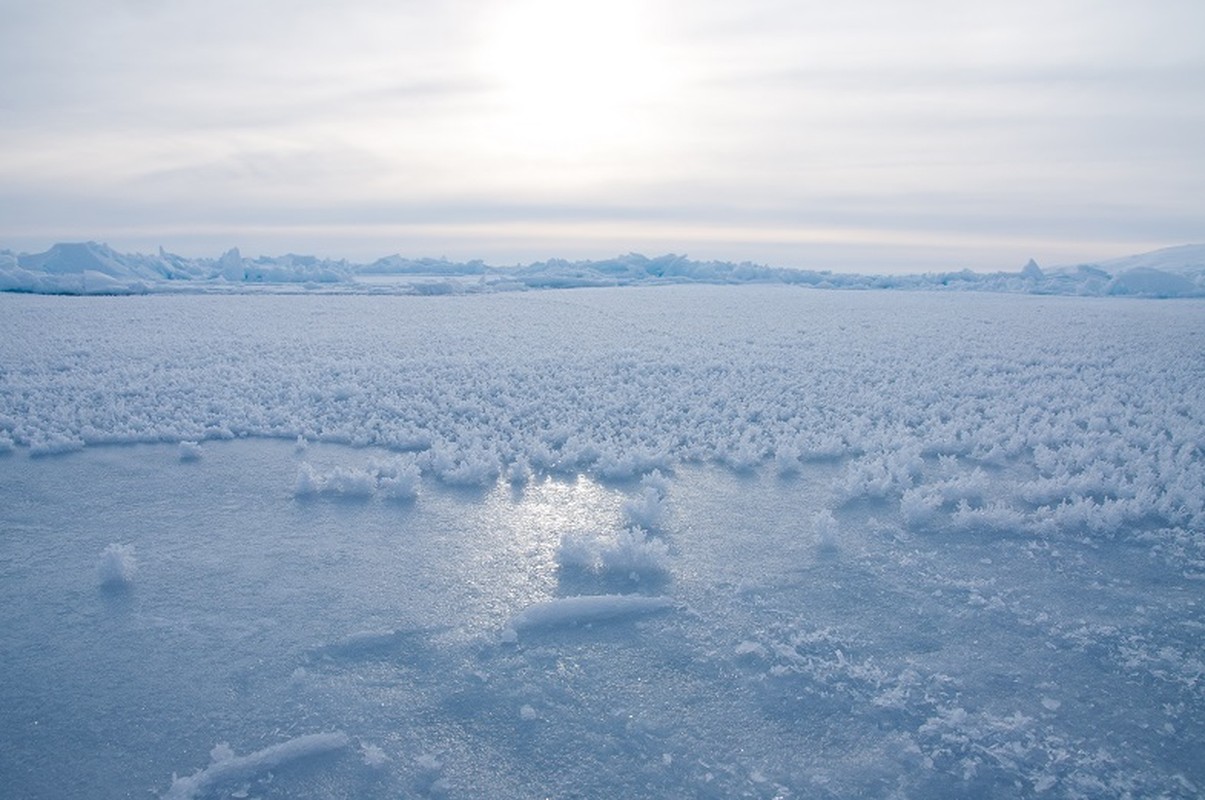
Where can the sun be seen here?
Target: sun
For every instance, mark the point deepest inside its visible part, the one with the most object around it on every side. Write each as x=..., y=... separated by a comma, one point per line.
x=572, y=78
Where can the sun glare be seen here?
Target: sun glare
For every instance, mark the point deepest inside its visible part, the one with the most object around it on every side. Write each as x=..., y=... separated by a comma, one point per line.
x=572, y=78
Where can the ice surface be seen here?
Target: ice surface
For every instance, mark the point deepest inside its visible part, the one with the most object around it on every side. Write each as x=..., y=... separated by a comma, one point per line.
x=1014, y=485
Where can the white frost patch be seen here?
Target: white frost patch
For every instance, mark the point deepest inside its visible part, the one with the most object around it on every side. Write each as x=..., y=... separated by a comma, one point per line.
x=567, y=611
x=474, y=466
x=339, y=481
x=395, y=479
x=635, y=553
x=372, y=755
x=579, y=550
x=824, y=524
x=55, y=444
x=189, y=451
x=399, y=479
x=117, y=566
x=225, y=766
x=647, y=509
x=631, y=552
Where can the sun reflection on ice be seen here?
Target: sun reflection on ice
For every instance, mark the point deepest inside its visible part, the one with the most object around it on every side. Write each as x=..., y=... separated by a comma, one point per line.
x=521, y=527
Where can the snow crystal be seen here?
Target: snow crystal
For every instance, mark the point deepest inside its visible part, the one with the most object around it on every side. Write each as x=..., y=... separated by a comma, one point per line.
x=189, y=451
x=632, y=553
x=55, y=444
x=646, y=509
x=396, y=479
x=786, y=462
x=372, y=755
x=826, y=530
x=579, y=551
x=117, y=566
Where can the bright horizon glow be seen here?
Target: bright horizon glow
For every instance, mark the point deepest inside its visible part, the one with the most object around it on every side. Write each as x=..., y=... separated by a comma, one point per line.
x=866, y=137
x=898, y=252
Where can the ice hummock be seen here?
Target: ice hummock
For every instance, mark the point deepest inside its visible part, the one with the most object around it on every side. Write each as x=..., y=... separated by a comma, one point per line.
x=94, y=268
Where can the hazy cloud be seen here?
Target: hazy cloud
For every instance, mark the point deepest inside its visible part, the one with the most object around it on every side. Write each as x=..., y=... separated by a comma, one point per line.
x=782, y=128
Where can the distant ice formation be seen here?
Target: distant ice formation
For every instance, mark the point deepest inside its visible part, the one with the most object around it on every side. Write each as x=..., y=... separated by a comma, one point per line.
x=93, y=268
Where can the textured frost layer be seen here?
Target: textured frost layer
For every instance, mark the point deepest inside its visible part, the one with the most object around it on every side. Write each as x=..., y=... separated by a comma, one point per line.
x=986, y=413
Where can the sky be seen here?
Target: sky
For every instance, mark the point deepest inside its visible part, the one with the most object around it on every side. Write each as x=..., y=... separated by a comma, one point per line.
x=871, y=135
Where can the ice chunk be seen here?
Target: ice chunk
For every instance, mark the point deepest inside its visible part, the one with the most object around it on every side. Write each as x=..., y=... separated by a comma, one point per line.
x=567, y=611
x=1148, y=282
x=225, y=766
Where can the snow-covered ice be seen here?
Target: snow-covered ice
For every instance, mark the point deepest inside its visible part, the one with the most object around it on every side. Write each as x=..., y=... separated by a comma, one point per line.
x=674, y=541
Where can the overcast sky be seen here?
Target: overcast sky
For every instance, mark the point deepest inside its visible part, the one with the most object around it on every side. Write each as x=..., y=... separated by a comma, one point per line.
x=870, y=135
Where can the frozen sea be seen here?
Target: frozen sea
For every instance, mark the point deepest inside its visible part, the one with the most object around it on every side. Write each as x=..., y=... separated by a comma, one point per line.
x=664, y=542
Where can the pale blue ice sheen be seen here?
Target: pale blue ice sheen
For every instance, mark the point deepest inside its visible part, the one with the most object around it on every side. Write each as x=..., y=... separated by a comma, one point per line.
x=757, y=542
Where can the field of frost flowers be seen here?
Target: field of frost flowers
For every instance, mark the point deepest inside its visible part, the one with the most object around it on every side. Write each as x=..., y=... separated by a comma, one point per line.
x=679, y=541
